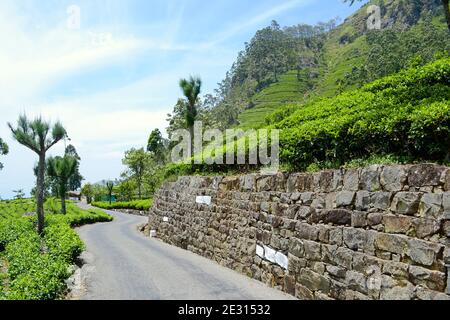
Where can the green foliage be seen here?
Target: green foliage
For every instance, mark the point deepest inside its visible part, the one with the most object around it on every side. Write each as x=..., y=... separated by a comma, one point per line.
x=76, y=179
x=156, y=146
x=3, y=150
x=37, y=266
x=141, y=205
x=38, y=136
x=61, y=169
x=406, y=114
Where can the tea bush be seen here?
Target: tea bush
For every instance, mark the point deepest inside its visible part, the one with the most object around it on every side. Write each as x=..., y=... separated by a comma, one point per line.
x=141, y=205
x=38, y=266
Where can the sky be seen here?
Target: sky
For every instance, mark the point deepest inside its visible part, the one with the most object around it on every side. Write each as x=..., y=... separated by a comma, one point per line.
x=109, y=69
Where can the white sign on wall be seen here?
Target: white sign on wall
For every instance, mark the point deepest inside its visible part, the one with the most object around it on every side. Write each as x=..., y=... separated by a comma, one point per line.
x=281, y=260
x=269, y=254
x=165, y=219
x=203, y=200
x=260, y=251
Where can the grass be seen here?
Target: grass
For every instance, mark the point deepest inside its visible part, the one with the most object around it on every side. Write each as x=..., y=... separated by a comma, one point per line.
x=34, y=267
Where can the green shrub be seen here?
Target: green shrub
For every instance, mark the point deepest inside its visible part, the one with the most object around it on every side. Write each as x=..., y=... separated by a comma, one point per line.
x=141, y=205
x=38, y=266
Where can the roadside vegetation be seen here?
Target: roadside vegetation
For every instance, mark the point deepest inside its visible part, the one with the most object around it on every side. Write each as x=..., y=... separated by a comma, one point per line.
x=33, y=266
x=140, y=205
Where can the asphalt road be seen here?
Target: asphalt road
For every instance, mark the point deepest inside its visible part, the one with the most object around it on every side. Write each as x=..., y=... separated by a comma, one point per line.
x=123, y=264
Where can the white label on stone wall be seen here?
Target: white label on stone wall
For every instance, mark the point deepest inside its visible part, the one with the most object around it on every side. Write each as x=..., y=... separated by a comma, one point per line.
x=281, y=260
x=166, y=219
x=152, y=233
x=260, y=251
x=269, y=254
x=204, y=200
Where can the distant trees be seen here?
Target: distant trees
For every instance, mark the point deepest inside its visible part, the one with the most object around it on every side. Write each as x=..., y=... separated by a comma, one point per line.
x=61, y=169
x=88, y=192
x=156, y=146
x=19, y=194
x=110, y=187
x=137, y=160
x=38, y=136
x=76, y=179
x=3, y=150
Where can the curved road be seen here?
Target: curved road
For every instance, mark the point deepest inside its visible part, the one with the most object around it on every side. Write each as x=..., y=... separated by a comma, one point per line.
x=123, y=264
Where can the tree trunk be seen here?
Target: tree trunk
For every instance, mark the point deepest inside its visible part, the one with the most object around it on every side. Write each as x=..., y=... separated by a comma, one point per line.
x=40, y=194
x=191, y=141
x=63, y=204
x=140, y=189
x=445, y=3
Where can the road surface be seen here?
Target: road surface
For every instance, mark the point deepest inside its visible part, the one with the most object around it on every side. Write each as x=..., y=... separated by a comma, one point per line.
x=123, y=264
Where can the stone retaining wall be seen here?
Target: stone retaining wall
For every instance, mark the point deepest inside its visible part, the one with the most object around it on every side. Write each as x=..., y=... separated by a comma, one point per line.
x=380, y=232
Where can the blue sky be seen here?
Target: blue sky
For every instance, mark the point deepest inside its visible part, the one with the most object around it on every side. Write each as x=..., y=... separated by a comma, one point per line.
x=113, y=80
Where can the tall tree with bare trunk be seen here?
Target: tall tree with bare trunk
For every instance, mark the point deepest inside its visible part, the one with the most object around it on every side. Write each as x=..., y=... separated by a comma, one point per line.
x=38, y=136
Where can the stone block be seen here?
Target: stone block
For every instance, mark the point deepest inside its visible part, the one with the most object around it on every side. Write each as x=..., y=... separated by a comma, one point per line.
x=336, y=236
x=314, y=281
x=296, y=247
x=351, y=180
x=303, y=293
x=312, y=250
x=354, y=238
x=446, y=180
x=433, y=280
x=396, y=224
x=426, y=227
x=428, y=295
x=395, y=269
x=338, y=217
x=406, y=203
x=393, y=178
x=356, y=281
x=344, y=199
x=380, y=200
x=431, y=205
x=403, y=292
x=446, y=205
x=289, y=285
x=423, y=252
x=392, y=243
x=362, y=202
x=423, y=175
x=359, y=219
x=336, y=272
x=370, y=178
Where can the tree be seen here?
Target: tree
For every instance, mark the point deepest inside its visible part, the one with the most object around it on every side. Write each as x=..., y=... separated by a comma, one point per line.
x=191, y=89
x=39, y=136
x=76, y=179
x=88, y=192
x=137, y=160
x=126, y=189
x=3, y=150
x=61, y=169
x=19, y=194
x=110, y=187
x=156, y=146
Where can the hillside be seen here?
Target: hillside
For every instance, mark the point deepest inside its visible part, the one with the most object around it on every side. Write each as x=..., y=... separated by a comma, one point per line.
x=351, y=56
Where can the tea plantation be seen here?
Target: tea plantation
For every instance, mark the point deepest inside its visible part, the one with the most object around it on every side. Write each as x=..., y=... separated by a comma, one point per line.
x=34, y=267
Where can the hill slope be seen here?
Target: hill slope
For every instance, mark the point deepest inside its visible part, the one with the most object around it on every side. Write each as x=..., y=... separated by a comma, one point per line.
x=352, y=56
